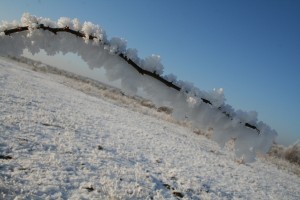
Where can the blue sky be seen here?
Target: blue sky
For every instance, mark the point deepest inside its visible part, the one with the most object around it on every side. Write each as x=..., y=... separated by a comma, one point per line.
x=249, y=48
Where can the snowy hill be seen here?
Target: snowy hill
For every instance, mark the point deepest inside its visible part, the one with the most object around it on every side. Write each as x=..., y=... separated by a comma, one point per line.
x=57, y=142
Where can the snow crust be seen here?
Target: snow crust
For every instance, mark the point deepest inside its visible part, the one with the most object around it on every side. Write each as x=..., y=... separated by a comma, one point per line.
x=102, y=53
x=65, y=144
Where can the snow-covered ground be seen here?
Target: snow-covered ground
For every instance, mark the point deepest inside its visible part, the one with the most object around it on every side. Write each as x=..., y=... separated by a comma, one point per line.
x=57, y=142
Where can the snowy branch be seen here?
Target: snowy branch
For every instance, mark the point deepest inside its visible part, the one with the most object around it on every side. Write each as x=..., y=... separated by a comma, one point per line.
x=124, y=57
x=204, y=110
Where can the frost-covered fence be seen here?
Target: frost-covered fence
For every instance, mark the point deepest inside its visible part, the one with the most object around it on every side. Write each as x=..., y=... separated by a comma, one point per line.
x=89, y=41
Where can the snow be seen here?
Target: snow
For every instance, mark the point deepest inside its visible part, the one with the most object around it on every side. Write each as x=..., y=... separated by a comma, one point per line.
x=117, y=45
x=64, y=22
x=66, y=144
x=205, y=110
x=29, y=20
x=133, y=55
x=153, y=64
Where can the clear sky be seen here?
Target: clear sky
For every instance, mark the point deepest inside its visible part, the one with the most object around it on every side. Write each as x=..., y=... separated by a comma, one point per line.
x=249, y=48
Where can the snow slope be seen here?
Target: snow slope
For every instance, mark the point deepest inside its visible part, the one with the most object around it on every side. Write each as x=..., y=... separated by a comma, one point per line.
x=60, y=143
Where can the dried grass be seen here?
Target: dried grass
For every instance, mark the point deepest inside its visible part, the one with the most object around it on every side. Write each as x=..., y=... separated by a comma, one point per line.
x=286, y=158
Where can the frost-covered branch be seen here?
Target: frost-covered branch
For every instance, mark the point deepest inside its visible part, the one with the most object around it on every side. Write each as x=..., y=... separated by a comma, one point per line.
x=123, y=56
x=204, y=109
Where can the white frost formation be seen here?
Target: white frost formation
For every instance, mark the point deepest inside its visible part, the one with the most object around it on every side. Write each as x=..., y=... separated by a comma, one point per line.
x=103, y=53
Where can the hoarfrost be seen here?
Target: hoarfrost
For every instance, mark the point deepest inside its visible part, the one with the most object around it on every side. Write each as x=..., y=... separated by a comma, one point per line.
x=204, y=109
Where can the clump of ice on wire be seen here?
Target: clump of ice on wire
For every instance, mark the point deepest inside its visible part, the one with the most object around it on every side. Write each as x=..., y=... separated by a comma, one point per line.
x=101, y=52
